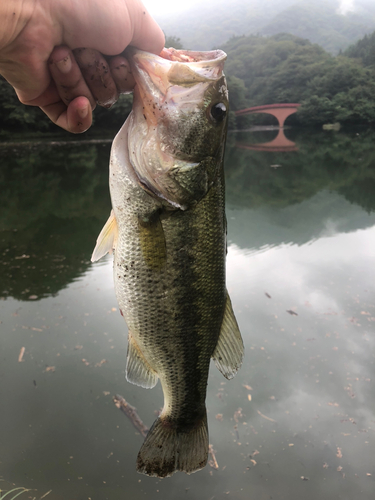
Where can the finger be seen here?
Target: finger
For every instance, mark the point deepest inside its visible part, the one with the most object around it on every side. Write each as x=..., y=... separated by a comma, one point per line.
x=147, y=33
x=111, y=29
x=96, y=73
x=67, y=76
x=121, y=74
x=75, y=118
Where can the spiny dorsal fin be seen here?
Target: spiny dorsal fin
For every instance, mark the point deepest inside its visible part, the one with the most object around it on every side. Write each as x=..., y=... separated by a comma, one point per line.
x=228, y=354
x=107, y=239
x=138, y=371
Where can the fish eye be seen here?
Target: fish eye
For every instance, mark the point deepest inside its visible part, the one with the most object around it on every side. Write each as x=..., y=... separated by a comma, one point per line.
x=218, y=112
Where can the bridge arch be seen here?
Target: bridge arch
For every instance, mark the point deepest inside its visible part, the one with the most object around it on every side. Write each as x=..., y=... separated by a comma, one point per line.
x=279, y=111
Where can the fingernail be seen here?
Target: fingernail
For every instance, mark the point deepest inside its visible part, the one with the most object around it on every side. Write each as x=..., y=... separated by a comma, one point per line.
x=83, y=112
x=65, y=65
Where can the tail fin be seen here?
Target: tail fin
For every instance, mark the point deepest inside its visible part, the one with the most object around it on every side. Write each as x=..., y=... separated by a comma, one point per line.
x=167, y=450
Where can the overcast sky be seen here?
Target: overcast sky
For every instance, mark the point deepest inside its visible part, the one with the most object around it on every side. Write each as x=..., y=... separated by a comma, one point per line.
x=162, y=7
x=156, y=7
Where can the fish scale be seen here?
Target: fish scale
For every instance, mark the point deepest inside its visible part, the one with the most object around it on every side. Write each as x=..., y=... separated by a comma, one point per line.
x=168, y=232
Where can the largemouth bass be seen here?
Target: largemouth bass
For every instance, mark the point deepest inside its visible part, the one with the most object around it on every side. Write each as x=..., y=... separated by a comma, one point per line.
x=168, y=232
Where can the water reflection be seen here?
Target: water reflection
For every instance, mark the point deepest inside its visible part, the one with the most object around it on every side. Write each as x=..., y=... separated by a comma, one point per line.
x=341, y=163
x=298, y=419
x=280, y=144
x=54, y=201
x=52, y=205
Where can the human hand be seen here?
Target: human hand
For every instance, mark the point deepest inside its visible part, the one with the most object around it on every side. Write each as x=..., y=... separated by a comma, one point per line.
x=42, y=55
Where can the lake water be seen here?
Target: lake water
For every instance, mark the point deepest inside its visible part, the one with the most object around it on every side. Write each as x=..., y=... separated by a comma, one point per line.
x=297, y=421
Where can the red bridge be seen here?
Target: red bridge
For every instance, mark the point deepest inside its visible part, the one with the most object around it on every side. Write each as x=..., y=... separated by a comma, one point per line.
x=280, y=111
x=280, y=144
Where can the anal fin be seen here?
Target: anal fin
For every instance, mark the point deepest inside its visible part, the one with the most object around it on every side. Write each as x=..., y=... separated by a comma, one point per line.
x=138, y=371
x=229, y=351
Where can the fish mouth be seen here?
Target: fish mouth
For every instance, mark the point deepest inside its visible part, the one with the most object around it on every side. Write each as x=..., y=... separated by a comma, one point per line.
x=168, y=87
x=154, y=75
x=176, y=66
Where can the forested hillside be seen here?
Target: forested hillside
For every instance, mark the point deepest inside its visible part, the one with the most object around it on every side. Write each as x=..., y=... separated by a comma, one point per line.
x=260, y=70
x=363, y=50
x=284, y=68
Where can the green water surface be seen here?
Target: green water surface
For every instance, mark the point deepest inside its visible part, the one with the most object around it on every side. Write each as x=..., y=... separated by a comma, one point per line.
x=298, y=420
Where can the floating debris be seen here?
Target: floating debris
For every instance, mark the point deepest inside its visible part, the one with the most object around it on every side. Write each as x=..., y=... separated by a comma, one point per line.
x=20, y=356
x=237, y=415
x=101, y=362
x=131, y=413
x=212, y=463
x=264, y=416
x=45, y=494
x=290, y=311
x=339, y=453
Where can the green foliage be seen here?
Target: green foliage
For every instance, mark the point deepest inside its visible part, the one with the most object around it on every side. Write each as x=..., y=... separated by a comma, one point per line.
x=237, y=93
x=284, y=68
x=173, y=41
x=364, y=50
x=316, y=110
x=14, y=115
x=116, y=115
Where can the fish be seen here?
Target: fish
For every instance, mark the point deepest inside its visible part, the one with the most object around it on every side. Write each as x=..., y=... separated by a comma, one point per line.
x=167, y=231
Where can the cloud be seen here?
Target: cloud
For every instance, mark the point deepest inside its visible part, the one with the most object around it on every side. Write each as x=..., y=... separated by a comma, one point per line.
x=345, y=7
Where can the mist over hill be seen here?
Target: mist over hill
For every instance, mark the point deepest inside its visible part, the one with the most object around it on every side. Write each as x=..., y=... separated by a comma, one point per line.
x=333, y=24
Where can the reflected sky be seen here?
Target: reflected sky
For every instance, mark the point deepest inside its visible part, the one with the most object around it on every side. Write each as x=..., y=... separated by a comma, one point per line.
x=297, y=421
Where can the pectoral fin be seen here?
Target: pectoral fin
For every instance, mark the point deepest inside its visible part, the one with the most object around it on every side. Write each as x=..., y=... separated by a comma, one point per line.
x=138, y=371
x=107, y=238
x=228, y=354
